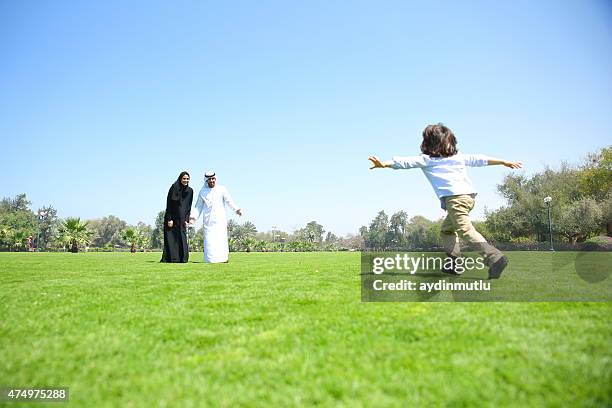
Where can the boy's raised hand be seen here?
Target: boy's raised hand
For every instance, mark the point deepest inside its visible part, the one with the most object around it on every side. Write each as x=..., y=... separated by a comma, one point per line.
x=513, y=165
x=376, y=163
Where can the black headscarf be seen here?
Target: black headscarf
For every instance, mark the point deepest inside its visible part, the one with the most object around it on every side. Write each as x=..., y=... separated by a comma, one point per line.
x=179, y=191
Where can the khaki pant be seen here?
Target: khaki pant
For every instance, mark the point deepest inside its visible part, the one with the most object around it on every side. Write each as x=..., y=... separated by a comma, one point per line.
x=457, y=225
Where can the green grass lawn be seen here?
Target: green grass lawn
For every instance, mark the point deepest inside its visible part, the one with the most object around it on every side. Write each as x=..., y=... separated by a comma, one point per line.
x=285, y=329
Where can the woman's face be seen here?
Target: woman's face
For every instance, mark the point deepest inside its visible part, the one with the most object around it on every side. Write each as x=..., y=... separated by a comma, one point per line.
x=185, y=180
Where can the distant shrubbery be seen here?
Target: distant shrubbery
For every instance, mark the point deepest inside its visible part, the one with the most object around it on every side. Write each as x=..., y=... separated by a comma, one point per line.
x=581, y=205
x=581, y=209
x=111, y=234
x=245, y=238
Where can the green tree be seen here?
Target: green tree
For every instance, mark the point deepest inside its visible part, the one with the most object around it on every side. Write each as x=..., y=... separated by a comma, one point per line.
x=248, y=244
x=313, y=232
x=75, y=233
x=595, y=179
x=378, y=231
x=240, y=233
x=107, y=230
x=301, y=246
x=195, y=239
x=525, y=216
x=249, y=229
x=48, y=224
x=6, y=235
x=274, y=246
x=330, y=238
x=19, y=203
x=574, y=191
x=17, y=220
x=416, y=231
x=261, y=246
x=364, y=233
x=397, y=229
x=580, y=220
x=18, y=239
x=132, y=237
x=157, y=234
x=231, y=227
x=145, y=233
x=233, y=244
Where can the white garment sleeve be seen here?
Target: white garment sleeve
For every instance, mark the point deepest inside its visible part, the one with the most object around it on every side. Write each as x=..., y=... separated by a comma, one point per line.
x=408, y=162
x=476, y=160
x=197, y=210
x=227, y=199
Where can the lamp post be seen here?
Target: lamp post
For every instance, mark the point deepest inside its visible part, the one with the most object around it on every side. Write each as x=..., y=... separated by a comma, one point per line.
x=547, y=201
x=42, y=215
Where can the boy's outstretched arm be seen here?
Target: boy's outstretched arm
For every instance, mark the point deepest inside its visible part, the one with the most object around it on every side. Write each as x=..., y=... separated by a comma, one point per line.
x=378, y=164
x=397, y=162
x=512, y=165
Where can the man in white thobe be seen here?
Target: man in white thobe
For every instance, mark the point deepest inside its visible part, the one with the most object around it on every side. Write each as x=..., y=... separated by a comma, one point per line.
x=210, y=203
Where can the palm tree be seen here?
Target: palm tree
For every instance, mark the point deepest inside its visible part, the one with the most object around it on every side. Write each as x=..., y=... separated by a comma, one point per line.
x=19, y=238
x=241, y=233
x=260, y=246
x=249, y=229
x=233, y=244
x=132, y=237
x=75, y=233
x=249, y=244
x=231, y=227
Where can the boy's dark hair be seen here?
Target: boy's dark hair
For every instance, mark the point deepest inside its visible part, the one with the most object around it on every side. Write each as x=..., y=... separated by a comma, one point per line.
x=438, y=141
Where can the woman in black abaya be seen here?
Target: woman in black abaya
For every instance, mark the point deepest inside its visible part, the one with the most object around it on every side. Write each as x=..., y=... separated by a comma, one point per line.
x=178, y=207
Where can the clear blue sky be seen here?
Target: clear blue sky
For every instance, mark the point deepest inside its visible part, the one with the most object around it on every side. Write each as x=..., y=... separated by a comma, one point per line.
x=103, y=103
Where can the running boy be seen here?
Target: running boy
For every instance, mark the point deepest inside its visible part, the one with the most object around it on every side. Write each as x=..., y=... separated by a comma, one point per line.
x=445, y=168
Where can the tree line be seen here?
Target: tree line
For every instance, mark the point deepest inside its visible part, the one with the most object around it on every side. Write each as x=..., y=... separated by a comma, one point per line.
x=22, y=229
x=581, y=210
x=581, y=206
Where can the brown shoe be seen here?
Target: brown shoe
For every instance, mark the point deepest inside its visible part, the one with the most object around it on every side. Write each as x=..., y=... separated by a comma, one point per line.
x=498, y=267
x=450, y=271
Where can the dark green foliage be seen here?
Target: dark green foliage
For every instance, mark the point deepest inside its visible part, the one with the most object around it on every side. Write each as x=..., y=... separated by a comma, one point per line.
x=17, y=222
x=580, y=207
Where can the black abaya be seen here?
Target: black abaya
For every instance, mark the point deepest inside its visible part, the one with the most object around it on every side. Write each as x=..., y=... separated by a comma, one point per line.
x=178, y=207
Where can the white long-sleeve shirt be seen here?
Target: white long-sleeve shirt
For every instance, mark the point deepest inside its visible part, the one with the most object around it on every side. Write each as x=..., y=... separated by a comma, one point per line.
x=211, y=205
x=447, y=175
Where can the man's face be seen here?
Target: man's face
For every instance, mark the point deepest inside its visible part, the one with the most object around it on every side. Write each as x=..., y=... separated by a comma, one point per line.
x=211, y=181
x=185, y=180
